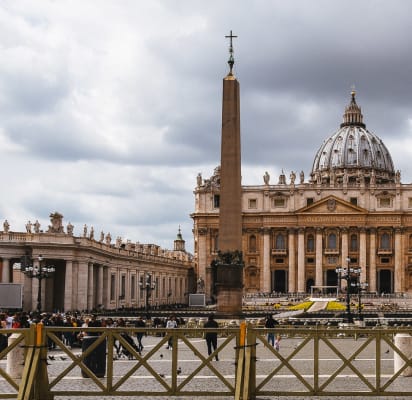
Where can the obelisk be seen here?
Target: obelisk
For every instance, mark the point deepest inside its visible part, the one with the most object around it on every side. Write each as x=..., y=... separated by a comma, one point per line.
x=229, y=274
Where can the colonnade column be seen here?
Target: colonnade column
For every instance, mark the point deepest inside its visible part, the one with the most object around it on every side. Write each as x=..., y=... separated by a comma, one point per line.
x=68, y=286
x=5, y=275
x=99, y=299
x=362, y=253
x=301, y=260
x=35, y=287
x=372, y=260
x=90, y=287
x=105, y=294
x=265, y=277
x=82, y=281
x=318, y=274
x=27, y=292
x=292, y=262
x=398, y=278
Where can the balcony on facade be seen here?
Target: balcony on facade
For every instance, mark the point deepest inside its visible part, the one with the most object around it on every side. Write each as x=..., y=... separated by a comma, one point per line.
x=279, y=252
x=329, y=251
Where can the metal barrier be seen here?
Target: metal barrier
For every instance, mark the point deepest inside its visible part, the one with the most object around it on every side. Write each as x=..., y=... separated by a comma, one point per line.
x=311, y=361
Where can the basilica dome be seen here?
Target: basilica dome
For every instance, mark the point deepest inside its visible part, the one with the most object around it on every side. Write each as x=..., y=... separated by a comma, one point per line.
x=352, y=153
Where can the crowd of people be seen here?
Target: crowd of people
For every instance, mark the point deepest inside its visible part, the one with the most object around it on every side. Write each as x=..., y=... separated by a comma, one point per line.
x=74, y=338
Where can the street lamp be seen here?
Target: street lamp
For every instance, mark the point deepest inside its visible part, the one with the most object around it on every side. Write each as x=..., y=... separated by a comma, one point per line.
x=38, y=272
x=148, y=286
x=351, y=276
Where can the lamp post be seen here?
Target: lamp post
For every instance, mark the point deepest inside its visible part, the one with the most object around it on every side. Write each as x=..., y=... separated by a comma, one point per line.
x=351, y=276
x=148, y=286
x=38, y=272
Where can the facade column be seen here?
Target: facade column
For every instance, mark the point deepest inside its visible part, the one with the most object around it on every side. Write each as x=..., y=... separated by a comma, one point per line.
x=99, y=299
x=68, y=286
x=398, y=278
x=372, y=260
x=82, y=280
x=292, y=262
x=344, y=252
x=301, y=260
x=362, y=251
x=90, y=287
x=202, y=252
x=319, y=252
x=345, y=247
x=265, y=278
x=5, y=276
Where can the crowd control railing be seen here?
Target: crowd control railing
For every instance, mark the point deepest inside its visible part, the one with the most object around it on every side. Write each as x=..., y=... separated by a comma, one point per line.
x=311, y=361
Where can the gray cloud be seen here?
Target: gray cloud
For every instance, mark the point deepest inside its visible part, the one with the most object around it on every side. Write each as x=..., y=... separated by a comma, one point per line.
x=109, y=123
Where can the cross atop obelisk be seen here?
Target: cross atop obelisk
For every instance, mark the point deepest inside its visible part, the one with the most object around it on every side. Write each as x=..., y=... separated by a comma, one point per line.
x=231, y=60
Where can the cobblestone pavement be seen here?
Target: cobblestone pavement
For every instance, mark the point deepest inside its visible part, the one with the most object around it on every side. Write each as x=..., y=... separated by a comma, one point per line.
x=205, y=379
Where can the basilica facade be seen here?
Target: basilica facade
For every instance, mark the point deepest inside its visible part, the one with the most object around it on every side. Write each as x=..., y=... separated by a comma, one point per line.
x=351, y=211
x=92, y=272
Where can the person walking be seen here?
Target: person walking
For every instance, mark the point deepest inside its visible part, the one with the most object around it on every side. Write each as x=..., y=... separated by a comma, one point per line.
x=139, y=335
x=270, y=324
x=277, y=342
x=171, y=323
x=211, y=337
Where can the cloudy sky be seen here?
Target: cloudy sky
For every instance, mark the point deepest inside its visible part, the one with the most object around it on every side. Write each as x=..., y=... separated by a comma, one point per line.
x=109, y=109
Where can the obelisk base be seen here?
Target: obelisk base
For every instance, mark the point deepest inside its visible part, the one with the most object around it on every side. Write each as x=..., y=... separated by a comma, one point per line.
x=229, y=289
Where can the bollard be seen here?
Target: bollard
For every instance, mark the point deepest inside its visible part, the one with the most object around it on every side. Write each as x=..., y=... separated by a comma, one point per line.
x=403, y=342
x=15, y=358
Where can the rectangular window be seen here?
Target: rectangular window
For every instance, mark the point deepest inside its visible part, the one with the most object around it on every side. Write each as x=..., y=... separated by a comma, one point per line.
x=385, y=202
x=309, y=201
x=216, y=201
x=133, y=287
x=112, y=287
x=310, y=260
x=278, y=202
x=409, y=202
x=354, y=201
x=163, y=287
x=252, y=203
x=279, y=260
x=385, y=260
x=332, y=260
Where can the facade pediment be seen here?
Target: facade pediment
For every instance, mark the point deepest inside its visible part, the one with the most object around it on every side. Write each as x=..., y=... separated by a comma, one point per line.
x=332, y=205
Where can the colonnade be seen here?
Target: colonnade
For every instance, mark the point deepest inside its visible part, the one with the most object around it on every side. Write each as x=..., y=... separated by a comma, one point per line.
x=85, y=285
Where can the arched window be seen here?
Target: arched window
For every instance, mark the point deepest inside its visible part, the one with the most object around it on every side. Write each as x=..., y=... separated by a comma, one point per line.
x=385, y=241
x=252, y=243
x=354, y=242
x=280, y=242
x=332, y=241
x=310, y=243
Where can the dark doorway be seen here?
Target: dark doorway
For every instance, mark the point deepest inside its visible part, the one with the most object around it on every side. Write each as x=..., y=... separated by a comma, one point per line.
x=279, y=281
x=309, y=283
x=331, y=279
x=385, y=281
